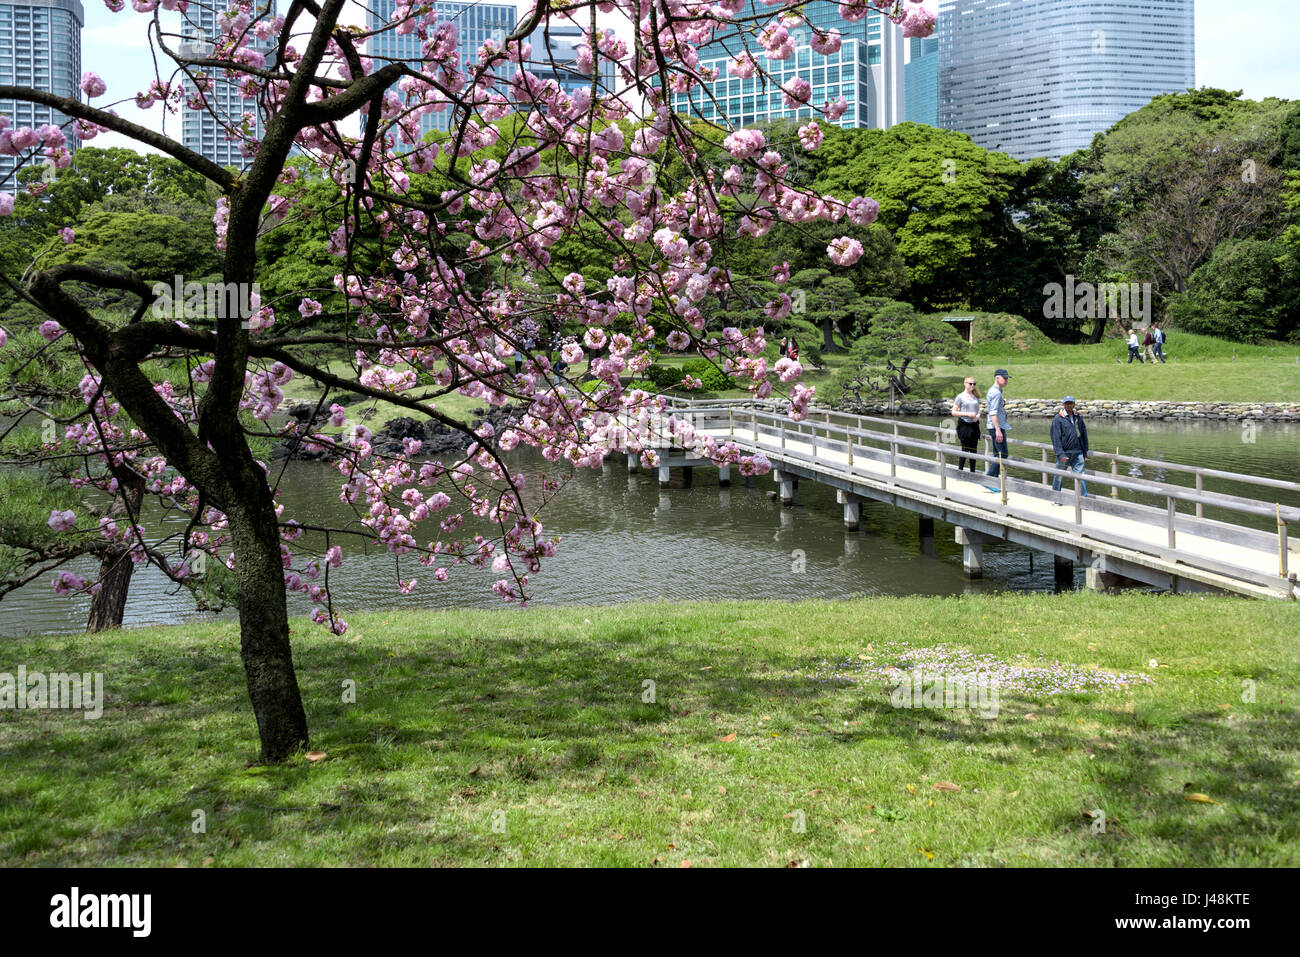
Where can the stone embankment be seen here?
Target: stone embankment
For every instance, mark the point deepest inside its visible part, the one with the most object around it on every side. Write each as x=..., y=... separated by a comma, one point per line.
x=1107, y=409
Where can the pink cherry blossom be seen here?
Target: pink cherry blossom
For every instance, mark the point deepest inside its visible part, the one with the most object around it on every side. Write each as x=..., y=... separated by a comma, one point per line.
x=92, y=85
x=844, y=251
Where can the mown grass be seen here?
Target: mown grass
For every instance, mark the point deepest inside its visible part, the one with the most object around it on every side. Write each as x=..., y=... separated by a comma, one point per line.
x=526, y=738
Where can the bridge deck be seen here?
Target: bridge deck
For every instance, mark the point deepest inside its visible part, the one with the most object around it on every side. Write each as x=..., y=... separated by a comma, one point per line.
x=1161, y=546
x=1025, y=501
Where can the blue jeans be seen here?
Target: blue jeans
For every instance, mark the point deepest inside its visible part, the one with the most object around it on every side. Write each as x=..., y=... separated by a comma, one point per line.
x=1075, y=465
x=999, y=449
x=1160, y=351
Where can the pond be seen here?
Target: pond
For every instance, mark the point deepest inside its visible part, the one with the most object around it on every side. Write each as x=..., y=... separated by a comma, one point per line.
x=623, y=539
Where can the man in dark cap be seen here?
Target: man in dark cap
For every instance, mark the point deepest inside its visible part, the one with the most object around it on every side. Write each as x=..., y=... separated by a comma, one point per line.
x=1069, y=442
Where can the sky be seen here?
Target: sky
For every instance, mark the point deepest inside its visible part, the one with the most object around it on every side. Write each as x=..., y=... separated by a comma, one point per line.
x=1248, y=45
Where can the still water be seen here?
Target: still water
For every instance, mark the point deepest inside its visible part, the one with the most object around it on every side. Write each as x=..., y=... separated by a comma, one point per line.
x=623, y=539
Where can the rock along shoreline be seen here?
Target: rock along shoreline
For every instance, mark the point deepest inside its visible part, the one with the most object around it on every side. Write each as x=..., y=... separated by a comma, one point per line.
x=1104, y=409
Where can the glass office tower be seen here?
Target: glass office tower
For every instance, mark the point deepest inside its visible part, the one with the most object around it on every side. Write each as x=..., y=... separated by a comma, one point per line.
x=922, y=81
x=1042, y=77
x=475, y=24
x=867, y=71
x=40, y=48
x=206, y=131
x=557, y=61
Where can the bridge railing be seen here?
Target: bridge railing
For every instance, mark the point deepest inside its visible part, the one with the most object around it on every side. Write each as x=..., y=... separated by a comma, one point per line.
x=748, y=415
x=1199, y=473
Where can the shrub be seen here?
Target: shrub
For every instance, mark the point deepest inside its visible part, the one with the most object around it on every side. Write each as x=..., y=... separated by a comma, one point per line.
x=714, y=379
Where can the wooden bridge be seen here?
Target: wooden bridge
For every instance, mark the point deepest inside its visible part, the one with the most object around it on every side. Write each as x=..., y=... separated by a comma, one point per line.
x=1122, y=541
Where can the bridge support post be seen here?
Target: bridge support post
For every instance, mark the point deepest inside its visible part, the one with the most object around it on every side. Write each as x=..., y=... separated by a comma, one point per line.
x=852, y=510
x=972, y=552
x=633, y=462
x=664, y=475
x=1102, y=578
x=724, y=477
x=786, y=482
x=926, y=526
x=1062, y=573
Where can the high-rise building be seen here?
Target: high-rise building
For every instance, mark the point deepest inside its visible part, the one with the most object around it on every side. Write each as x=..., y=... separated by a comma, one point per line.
x=555, y=55
x=867, y=71
x=208, y=130
x=40, y=48
x=922, y=81
x=1042, y=77
x=476, y=23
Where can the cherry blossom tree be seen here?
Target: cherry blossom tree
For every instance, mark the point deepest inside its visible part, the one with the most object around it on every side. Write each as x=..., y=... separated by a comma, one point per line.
x=444, y=273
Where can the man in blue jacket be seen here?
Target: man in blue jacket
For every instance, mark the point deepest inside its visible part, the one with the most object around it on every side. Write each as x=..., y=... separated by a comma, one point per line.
x=1069, y=442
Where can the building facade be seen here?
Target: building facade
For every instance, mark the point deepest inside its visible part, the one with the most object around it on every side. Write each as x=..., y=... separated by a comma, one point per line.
x=40, y=48
x=207, y=130
x=868, y=71
x=554, y=57
x=921, y=81
x=476, y=23
x=1042, y=77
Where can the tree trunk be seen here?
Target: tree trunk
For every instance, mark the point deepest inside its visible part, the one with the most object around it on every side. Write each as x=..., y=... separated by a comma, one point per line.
x=264, y=626
x=109, y=606
x=828, y=339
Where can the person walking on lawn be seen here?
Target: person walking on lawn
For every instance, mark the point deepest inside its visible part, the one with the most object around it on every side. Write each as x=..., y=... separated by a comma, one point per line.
x=1148, y=345
x=1070, y=443
x=1159, y=333
x=997, y=424
x=1133, y=352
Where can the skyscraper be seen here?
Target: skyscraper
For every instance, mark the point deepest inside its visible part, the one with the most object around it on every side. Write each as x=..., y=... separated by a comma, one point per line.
x=475, y=24
x=867, y=71
x=922, y=81
x=562, y=49
x=206, y=130
x=1042, y=77
x=40, y=48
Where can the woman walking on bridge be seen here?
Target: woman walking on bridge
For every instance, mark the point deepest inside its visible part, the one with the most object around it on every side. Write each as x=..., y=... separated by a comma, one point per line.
x=966, y=409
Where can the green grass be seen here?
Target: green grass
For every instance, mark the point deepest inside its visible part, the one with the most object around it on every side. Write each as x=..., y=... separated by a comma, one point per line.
x=1201, y=369
x=535, y=721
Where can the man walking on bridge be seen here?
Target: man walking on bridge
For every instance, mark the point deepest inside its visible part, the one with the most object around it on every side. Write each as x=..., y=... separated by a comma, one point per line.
x=997, y=424
x=1070, y=443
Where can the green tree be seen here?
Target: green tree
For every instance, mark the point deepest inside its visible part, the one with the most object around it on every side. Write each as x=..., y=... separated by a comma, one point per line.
x=1179, y=176
x=1248, y=291
x=942, y=197
x=901, y=344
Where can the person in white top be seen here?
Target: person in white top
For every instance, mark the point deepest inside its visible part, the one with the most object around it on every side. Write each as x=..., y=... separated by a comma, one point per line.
x=966, y=409
x=1134, y=347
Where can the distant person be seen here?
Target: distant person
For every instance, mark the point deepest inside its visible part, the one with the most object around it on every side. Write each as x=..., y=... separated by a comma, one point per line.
x=997, y=424
x=1069, y=442
x=966, y=408
x=1149, y=344
x=1159, y=333
x=785, y=347
x=793, y=351
x=1133, y=352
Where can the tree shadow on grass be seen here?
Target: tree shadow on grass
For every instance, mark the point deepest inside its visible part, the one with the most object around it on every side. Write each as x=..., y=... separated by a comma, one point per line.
x=518, y=711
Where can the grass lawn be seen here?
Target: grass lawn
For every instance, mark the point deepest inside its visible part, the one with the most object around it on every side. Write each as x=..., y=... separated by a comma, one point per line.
x=508, y=738
x=1214, y=380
